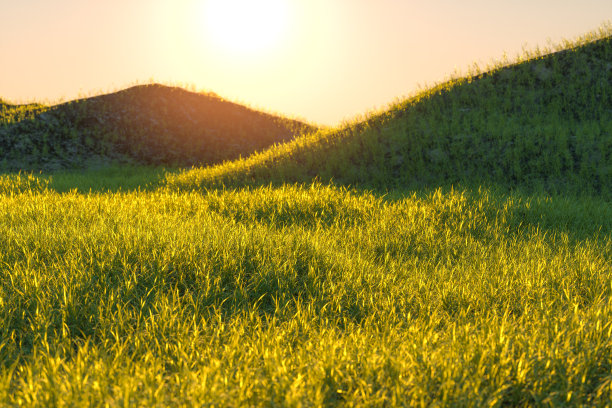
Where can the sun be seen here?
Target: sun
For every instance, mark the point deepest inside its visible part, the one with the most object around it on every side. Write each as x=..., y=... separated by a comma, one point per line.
x=246, y=26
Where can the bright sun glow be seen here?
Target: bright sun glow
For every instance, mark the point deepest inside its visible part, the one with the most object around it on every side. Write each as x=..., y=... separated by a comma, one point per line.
x=246, y=26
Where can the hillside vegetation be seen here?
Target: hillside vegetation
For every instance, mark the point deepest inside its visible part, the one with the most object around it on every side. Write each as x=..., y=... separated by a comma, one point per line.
x=148, y=124
x=544, y=123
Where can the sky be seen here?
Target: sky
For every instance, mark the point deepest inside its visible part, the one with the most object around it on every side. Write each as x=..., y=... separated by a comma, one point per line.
x=324, y=61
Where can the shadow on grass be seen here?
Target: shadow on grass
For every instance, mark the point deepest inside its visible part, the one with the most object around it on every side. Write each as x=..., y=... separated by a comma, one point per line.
x=563, y=210
x=115, y=178
x=579, y=215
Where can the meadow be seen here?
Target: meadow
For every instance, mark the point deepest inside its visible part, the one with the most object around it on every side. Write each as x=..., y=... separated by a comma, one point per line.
x=453, y=250
x=303, y=295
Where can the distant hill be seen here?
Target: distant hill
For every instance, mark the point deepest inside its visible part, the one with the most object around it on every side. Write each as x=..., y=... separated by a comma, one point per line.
x=543, y=123
x=148, y=124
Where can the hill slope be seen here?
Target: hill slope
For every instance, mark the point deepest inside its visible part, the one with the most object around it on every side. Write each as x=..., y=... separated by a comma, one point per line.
x=150, y=124
x=545, y=122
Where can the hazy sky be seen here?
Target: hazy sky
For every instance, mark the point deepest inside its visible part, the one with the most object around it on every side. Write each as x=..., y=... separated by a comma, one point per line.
x=321, y=60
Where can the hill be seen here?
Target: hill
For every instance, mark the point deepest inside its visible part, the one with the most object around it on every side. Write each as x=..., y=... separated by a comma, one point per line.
x=148, y=124
x=541, y=123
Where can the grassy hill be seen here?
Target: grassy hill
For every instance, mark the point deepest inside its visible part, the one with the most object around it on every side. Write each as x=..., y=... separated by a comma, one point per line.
x=150, y=124
x=542, y=123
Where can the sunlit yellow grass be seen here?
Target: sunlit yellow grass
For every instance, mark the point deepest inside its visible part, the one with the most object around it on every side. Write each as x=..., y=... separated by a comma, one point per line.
x=303, y=295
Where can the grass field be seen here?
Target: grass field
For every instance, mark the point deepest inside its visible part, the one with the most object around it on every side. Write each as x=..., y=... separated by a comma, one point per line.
x=303, y=295
x=454, y=250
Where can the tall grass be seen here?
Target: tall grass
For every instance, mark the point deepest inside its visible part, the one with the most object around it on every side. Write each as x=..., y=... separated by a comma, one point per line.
x=303, y=295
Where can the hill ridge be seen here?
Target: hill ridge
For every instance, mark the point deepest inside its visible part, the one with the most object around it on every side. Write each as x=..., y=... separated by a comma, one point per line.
x=148, y=124
x=544, y=123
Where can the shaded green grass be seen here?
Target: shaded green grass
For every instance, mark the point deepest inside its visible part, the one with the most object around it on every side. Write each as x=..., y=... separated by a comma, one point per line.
x=143, y=125
x=107, y=179
x=112, y=178
x=304, y=295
